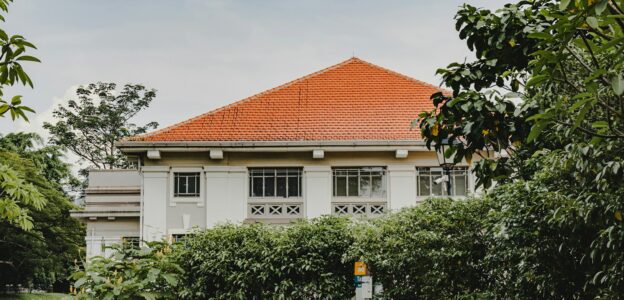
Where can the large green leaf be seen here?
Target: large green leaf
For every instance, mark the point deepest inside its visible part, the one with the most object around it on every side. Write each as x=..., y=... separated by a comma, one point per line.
x=617, y=83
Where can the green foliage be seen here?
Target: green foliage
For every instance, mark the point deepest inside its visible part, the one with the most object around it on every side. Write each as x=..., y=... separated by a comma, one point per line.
x=16, y=197
x=431, y=251
x=12, y=53
x=42, y=256
x=557, y=230
x=302, y=261
x=47, y=158
x=90, y=126
x=562, y=64
x=130, y=273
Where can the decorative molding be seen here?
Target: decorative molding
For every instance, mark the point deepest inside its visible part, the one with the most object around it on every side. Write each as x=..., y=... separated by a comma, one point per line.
x=318, y=154
x=216, y=154
x=153, y=154
x=401, y=153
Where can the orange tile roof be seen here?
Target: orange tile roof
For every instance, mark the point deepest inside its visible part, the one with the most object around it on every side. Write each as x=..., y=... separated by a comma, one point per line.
x=351, y=101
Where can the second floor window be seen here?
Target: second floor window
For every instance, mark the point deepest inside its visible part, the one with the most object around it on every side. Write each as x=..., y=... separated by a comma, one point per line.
x=360, y=182
x=275, y=182
x=186, y=184
x=427, y=185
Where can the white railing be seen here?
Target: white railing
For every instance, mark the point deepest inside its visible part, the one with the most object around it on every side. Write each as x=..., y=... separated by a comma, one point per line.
x=365, y=209
x=274, y=208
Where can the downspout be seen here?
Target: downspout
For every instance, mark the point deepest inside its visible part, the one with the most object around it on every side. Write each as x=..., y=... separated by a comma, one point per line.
x=141, y=233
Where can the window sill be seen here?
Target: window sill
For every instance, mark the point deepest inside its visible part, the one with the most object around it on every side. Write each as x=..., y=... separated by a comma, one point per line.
x=422, y=198
x=274, y=200
x=183, y=200
x=358, y=200
x=273, y=221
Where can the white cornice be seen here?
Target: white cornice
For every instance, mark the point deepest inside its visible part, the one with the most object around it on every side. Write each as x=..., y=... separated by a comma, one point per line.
x=271, y=146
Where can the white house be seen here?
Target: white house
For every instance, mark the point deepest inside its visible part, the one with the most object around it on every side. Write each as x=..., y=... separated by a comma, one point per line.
x=337, y=141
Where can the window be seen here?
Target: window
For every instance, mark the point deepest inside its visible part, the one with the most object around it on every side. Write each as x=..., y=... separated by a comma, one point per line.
x=428, y=187
x=360, y=182
x=186, y=184
x=131, y=242
x=275, y=182
x=178, y=237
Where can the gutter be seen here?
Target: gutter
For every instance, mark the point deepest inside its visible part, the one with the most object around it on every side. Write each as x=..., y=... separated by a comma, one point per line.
x=272, y=146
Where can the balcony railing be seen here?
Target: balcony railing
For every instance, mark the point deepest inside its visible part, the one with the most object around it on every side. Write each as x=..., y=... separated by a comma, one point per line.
x=364, y=209
x=274, y=208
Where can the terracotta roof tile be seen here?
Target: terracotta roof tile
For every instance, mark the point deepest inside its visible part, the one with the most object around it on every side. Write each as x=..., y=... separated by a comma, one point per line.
x=353, y=100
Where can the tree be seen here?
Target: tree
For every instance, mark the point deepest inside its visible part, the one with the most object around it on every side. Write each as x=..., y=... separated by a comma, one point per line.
x=42, y=255
x=47, y=158
x=561, y=60
x=542, y=106
x=12, y=50
x=90, y=126
x=15, y=194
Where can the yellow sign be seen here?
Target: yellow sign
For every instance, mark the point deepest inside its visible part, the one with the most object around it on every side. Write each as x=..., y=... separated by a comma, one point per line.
x=360, y=269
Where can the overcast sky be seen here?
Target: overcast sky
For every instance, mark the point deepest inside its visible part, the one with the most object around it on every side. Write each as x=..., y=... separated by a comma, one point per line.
x=202, y=54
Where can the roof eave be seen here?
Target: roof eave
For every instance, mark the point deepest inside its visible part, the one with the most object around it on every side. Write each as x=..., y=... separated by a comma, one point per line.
x=139, y=146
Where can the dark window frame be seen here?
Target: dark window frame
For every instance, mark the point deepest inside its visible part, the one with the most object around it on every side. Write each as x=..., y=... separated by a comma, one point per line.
x=186, y=176
x=276, y=182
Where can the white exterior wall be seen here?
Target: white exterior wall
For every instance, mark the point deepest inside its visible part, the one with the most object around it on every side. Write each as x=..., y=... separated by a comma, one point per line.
x=106, y=232
x=154, y=203
x=317, y=189
x=401, y=186
x=226, y=196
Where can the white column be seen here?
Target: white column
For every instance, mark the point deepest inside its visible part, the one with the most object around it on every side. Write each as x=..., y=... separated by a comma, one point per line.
x=317, y=190
x=401, y=186
x=94, y=245
x=154, y=203
x=226, y=194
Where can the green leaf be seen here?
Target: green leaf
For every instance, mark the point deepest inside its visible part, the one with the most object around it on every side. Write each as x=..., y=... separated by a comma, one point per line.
x=28, y=58
x=540, y=35
x=536, y=79
x=581, y=116
x=601, y=6
x=80, y=282
x=171, y=279
x=536, y=130
x=16, y=100
x=148, y=296
x=564, y=4
x=592, y=22
x=600, y=124
x=617, y=83
x=3, y=109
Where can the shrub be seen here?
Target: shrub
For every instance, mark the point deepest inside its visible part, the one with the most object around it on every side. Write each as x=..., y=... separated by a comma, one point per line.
x=130, y=273
x=547, y=242
x=303, y=261
x=430, y=251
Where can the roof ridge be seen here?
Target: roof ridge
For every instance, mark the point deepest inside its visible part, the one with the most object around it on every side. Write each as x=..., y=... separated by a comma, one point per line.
x=404, y=76
x=247, y=99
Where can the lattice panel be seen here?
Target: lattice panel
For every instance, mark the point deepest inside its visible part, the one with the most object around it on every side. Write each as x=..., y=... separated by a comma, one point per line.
x=359, y=209
x=275, y=210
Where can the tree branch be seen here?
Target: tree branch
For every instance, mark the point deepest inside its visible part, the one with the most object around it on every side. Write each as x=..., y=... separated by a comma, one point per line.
x=591, y=132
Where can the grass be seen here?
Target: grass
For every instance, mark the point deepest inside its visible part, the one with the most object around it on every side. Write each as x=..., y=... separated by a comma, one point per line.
x=50, y=296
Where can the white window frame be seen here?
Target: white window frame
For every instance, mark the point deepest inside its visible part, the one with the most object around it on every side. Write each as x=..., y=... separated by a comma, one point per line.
x=467, y=175
x=369, y=198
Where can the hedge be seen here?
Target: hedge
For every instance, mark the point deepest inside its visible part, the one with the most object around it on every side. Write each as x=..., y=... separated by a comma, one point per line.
x=304, y=261
x=506, y=245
